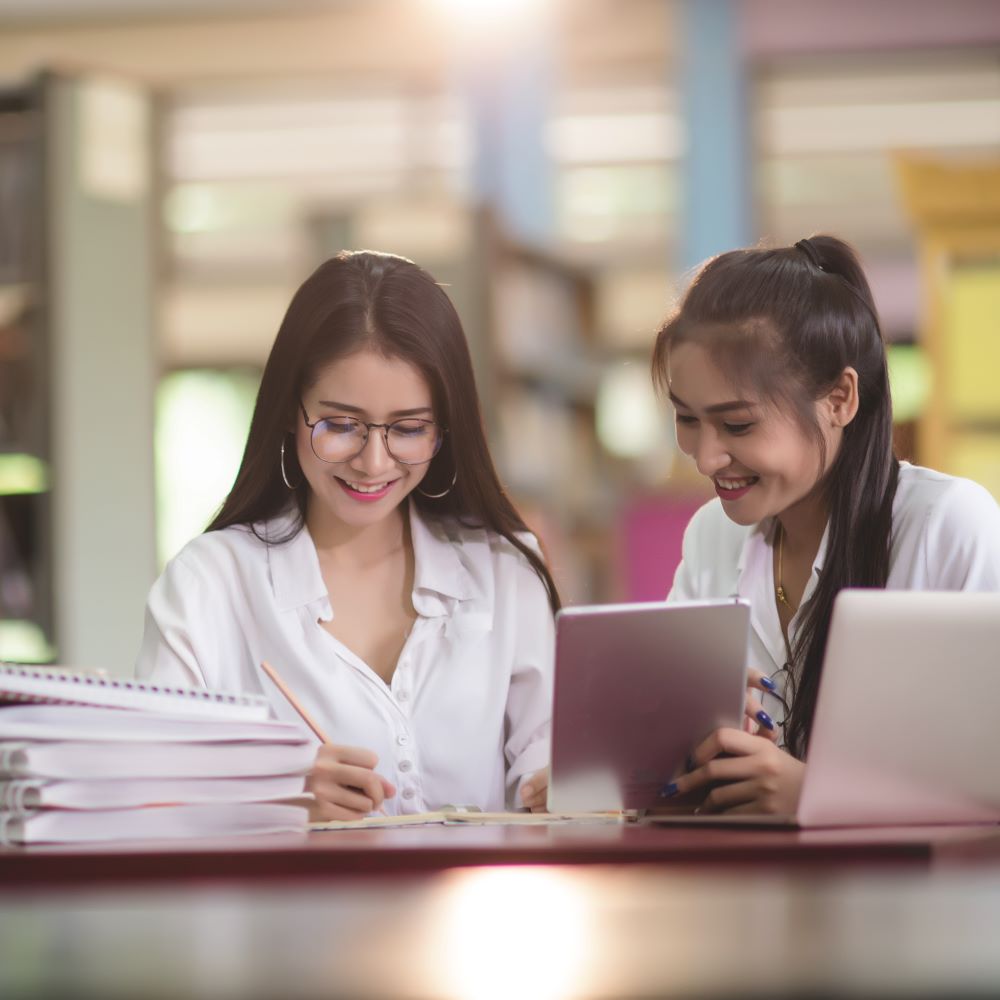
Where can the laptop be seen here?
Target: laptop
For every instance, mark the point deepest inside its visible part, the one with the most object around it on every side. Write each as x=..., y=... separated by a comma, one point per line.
x=637, y=686
x=906, y=727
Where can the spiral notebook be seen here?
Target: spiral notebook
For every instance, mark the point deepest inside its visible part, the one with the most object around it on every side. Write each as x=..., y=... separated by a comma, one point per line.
x=59, y=686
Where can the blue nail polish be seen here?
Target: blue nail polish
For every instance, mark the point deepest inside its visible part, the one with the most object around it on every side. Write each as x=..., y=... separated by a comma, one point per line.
x=668, y=791
x=766, y=682
x=765, y=720
x=689, y=764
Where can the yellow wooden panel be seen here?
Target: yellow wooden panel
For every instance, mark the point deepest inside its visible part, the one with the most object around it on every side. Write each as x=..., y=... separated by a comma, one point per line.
x=971, y=342
x=977, y=456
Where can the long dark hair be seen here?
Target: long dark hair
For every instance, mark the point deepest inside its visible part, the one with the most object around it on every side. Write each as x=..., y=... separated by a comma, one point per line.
x=787, y=322
x=388, y=304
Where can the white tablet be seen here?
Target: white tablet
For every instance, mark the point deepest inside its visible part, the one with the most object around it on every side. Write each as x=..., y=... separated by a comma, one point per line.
x=637, y=687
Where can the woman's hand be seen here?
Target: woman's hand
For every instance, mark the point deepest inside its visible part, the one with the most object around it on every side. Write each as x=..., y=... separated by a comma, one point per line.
x=749, y=774
x=755, y=720
x=535, y=791
x=345, y=785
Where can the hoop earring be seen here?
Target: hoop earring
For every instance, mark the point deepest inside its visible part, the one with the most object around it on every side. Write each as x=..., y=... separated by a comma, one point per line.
x=284, y=475
x=443, y=493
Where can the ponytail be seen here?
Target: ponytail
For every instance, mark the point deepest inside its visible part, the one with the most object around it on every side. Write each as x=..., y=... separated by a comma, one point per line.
x=859, y=491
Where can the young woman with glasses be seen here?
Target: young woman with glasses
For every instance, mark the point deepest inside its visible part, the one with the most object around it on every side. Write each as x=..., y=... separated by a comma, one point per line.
x=369, y=553
x=776, y=368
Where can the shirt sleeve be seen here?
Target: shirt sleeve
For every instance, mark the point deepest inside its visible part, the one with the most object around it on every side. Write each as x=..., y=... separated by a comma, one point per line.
x=962, y=540
x=175, y=637
x=529, y=697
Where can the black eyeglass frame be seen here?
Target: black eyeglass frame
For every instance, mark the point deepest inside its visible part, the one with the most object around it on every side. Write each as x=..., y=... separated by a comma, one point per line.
x=784, y=697
x=442, y=431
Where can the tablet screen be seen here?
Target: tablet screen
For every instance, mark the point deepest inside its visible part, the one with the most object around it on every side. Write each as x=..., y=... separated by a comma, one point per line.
x=637, y=687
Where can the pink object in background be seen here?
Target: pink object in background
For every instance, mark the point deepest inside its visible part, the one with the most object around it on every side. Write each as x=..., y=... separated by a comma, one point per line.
x=651, y=531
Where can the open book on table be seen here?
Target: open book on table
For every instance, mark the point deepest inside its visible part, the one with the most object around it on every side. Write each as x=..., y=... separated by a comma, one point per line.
x=472, y=816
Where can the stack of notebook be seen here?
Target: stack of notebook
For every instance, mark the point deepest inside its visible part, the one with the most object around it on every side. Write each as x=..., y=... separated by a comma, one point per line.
x=89, y=758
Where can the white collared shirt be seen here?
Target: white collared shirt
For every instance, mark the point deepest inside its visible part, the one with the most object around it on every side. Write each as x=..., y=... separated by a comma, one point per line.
x=467, y=713
x=945, y=536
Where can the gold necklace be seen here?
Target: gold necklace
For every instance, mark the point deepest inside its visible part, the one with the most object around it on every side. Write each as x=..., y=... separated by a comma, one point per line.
x=779, y=589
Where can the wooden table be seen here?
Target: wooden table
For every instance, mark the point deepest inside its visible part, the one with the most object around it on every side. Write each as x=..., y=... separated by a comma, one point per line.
x=432, y=848
x=520, y=912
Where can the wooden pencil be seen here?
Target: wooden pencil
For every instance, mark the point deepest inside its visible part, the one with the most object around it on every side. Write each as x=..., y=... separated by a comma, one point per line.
x=293, y=701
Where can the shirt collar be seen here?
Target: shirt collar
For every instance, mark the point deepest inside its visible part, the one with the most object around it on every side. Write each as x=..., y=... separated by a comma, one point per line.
x=294, y=565
x=763, y=531
x=756, y=585
x=439, y=572
x=439, y=569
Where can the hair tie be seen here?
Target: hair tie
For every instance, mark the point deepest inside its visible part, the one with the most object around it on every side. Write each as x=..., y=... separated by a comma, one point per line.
x=806, y=246
x=811, y=252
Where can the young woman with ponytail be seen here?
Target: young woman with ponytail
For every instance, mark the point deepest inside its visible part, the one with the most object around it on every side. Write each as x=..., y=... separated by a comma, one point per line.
x=776, y=367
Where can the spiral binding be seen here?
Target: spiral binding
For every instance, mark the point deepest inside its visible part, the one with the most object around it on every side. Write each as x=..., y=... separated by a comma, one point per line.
x=198, y=694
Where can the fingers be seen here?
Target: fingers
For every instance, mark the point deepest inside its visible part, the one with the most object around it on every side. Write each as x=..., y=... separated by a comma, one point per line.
x=341, y=802
x=718, y=769
x=736, y=771
x=723, y=741
x=751, y=706
x=345, y=784
x=731, y=797
x=359, y=779
x=534, y=791
x=756, y=721
x=535, y=800
x=759, y=680
x=726, y=755
x=358, y=756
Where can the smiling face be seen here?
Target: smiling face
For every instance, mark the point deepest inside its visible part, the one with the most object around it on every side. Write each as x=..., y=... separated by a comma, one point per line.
x=369, y=487
x=761, y=460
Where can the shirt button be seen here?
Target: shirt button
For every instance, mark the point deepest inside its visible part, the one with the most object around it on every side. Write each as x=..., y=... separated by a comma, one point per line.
x=403, y=695
x=408, y=793
x=402, y=739
x=406, y=765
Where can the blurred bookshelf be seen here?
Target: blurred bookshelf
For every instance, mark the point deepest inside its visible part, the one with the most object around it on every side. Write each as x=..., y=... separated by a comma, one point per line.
x=26, y=605
x=955, y=207
x=75, y=370
x=543, y=359
x=577, y=434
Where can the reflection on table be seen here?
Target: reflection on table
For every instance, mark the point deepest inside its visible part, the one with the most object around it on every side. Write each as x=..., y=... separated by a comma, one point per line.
x=526, y=932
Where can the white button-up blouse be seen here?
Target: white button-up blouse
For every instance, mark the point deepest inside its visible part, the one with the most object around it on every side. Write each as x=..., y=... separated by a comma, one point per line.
x=945, y=536
x=467, y=714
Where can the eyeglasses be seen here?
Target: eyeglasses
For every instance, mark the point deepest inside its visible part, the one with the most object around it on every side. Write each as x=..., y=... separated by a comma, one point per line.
x=784, y=693
x=409, y=441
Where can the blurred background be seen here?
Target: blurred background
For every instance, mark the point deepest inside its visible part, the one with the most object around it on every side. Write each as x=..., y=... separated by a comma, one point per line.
x=171, y=170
